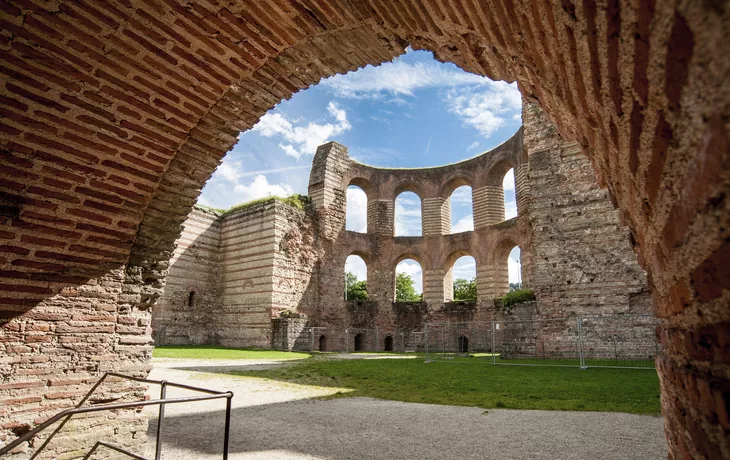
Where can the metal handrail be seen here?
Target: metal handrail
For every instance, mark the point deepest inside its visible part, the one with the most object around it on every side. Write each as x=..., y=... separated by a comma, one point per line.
x=68, y=413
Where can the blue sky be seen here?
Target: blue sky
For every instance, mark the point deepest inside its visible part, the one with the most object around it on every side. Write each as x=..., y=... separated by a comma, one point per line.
x=411, y=112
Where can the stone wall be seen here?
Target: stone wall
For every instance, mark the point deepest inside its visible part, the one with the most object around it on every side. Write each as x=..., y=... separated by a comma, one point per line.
x=192, y=301
x=276, y=258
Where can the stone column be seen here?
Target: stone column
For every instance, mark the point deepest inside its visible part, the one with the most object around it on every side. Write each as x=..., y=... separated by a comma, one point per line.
x=488, y=204
x=434, y=282
x=381, y=217
x=436, y=216
x=492, y=280
x=522, y=188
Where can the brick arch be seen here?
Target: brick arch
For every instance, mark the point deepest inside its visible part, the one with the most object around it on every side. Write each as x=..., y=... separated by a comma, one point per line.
x=407, y=186
x=115, y=114
x=452, y=184
x=370, y=191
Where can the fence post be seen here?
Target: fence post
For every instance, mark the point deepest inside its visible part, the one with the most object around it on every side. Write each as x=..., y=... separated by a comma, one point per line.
x=580, y=343
x=494, y=354
x=425, y=342
x=377, y=339
x=347, y=340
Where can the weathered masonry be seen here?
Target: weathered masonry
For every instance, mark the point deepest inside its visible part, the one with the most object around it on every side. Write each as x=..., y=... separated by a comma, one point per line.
x=230, y=276
x=115, y=113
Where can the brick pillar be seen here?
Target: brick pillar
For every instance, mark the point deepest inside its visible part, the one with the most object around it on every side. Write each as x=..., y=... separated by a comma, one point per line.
x=434, y=283
x=488, y=204
x=492, y=280
x=381, y=217
x=326, y=186
x=522, y=188
x=436, y=218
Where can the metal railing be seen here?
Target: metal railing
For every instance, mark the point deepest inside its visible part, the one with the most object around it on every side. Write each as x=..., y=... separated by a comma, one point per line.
x=164, y=384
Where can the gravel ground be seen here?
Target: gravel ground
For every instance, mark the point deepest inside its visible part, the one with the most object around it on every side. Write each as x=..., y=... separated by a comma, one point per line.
x=274, y=420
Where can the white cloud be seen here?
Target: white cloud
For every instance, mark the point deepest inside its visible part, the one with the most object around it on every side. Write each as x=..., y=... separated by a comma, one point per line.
x=473, y=146
x=355, y=265
x=397, y=79
x=510, y=203
x=408, y=215
x=356, y=217
x=486, y=107
x=297, y=141
x=508, y=183
x=412, y=268
x=260, y=187
x=461, y=196
x=465, y=224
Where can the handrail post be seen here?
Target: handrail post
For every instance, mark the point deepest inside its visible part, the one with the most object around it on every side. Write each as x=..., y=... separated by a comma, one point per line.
x=226, y=433
x=160, y=418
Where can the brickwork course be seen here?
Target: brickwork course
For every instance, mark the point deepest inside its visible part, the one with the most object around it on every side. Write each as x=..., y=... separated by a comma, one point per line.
x=115, y=113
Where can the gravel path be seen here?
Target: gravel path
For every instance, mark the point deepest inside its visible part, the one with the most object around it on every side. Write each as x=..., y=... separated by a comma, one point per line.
x=274, y=420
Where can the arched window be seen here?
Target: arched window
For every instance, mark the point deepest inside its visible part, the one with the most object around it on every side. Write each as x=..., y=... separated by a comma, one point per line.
x=514, y=268
x=191, y=299
x=408, y=281
x=408, y=215
x=356, y=210
x=388, y=344
x=464, y=276
x=510, y=200
x=356, y=278
x=462, y=211
x=463, y=344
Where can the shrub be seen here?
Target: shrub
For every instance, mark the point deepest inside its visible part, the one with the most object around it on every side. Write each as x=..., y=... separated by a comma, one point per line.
x=518, y=296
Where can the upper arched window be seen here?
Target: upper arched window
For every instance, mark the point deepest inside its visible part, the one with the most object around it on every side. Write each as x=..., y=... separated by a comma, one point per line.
x=510, y=200
x=356, y=210
x=408, y=215
x=462, y=211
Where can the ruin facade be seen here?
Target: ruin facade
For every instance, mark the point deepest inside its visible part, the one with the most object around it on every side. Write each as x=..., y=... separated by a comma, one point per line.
x=115, y=113
x=267, y=270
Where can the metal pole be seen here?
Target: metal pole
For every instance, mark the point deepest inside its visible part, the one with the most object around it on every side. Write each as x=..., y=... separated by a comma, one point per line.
x=160, y=418
x=227, y=432
x=580, y=343
x=494, y=354
x=347, y=340
x=425, y=341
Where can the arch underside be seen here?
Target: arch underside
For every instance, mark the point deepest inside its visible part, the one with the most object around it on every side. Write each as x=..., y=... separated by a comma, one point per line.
x=116, y=113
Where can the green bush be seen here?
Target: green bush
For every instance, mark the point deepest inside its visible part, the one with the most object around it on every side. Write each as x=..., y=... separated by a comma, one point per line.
x=518, y=296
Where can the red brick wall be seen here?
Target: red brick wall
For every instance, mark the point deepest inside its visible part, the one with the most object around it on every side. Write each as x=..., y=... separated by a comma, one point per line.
x=115, y=113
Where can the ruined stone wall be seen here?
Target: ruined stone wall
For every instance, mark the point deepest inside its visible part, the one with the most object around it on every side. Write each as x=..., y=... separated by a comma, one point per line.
x=188, y=309
x=582, y=262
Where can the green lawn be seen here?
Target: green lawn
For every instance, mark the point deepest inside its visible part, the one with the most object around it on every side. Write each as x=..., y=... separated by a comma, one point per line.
x=211, y=352
x=487, y=386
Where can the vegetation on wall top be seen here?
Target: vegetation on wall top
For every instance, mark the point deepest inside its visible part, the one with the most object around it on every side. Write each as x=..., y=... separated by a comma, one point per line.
x=296, y=201
x=516, y=296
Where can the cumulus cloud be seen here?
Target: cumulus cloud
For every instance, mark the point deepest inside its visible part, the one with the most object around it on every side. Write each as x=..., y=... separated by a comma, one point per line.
x=473, y=146
x=260, y=187
x=394, y=80
x=407, y=215
x=486, y=107
x=465, y=224
x=412, y=268
x=356, y=217
x=298, y=139
x=356, y=266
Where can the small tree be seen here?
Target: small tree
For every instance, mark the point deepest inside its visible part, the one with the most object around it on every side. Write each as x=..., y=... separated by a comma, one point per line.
x=404, y=290
x=354, y=289
x=515, y=287
x=465, y=290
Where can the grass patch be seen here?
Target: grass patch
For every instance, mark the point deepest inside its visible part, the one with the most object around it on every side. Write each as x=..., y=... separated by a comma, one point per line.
x=212, y=352
x=485, y=386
